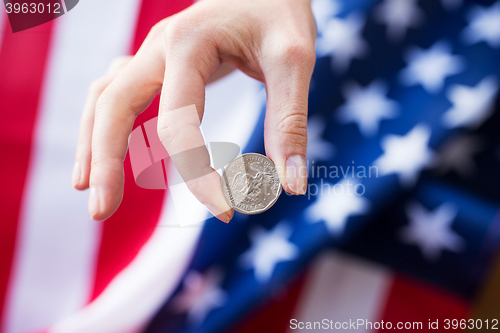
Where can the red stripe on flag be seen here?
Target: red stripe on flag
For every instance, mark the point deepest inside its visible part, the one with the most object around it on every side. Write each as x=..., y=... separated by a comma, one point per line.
x=130, y=227
x=413, y=301
x=23, y=58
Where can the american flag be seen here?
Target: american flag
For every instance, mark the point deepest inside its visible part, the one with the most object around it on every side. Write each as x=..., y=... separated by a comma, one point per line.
x=404, y=89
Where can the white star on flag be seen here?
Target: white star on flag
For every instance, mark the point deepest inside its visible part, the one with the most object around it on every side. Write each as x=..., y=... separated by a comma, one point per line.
x=336, y=206
x=318, y=148
x=431, y=231
x=323, y=11
x=484, y=25
x=268, y=249
x=457, y=153
x=342, y=40
x=471, y=105
x=367, y=106
x=201, y=295
x=399, y=16
x=431, y=67
x=405, y=155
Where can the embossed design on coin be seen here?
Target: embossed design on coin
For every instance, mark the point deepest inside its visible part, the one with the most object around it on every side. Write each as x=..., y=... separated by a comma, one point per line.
x=250, y=184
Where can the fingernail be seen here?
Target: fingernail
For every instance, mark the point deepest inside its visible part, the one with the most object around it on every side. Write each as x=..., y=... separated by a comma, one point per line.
x=75, y=177
x=218, y=213
x=229, y=215
x=296, y=174
x=93, y=202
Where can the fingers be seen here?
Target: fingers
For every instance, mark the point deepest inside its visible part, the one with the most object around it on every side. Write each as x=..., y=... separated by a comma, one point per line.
x=116, y=109
x=181, y=63
x=191, y=61
x=288, y=72
x=117, y=65
x=81, y=169
x=224, y=70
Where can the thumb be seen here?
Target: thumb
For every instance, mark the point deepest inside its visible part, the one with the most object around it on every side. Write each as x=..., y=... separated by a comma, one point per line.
x=287, y=76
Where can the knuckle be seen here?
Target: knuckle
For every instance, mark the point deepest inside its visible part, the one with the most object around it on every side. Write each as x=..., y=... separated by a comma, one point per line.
x=164, y=136
x=166, y=132
x=190, y=25
x=299, y=52
x=157, y=29
x=118, y=63
x=97, y=161
x=293, y=128
x=194, y=186
x=179, y=28
x=111, y=98
x=108, y=161
x=97, y=86
x=105, y=98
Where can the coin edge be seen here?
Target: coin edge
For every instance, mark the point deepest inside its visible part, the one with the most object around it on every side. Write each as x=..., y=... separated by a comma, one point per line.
x=229, y=201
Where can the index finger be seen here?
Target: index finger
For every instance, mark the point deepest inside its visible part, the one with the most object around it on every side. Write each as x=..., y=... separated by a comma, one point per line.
x=181, y=108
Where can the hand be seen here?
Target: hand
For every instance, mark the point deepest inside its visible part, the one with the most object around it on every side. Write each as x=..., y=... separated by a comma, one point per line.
x=269, y=40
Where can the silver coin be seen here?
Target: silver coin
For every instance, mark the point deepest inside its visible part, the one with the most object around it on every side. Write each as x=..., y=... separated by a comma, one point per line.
x=250, y=183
